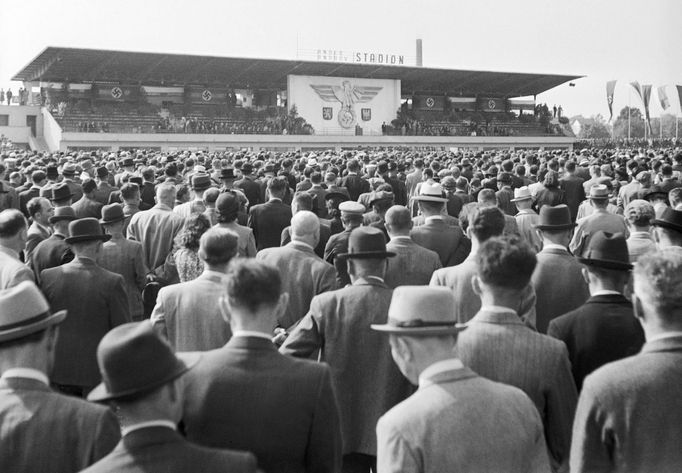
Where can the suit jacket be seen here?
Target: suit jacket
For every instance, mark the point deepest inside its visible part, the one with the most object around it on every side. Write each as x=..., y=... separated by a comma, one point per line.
x=337, y=245
x=356, y=185
x=163, y=450
x=448, y=241
x=12, y=270
x=525, y=220
x=156, y=229
x=504, y=197
x=574, y=193
x=411, y=181
x=366, y=380
x=399, y=190
x=41, y=430
x=35, y=235
x=325, y=233
x=498, y=346
x=496, y=428
x=640, y=243
x=85, y=207
x=602, y=330
x=75, y=188
x=588, y=226
x=304, y=275
x=420, y=220
x=467, y=303
x=96, y=302
x=559, y=285
x=629, y=416
x=267, y=222
x=50, y=253
x=147, y=195
x=9, y=199
x=246, y=245
x=251, y=189
x=102, y=192
x=247, y=396
x=126, y=257
x=25, y=196
x=413, y=265
x=190, y=316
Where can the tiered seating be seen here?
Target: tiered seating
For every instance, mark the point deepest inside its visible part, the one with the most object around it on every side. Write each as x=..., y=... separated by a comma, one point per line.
x=114, y=122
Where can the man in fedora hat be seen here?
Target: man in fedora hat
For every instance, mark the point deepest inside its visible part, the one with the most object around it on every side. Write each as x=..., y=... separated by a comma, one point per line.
x=269, y=219
x=668, y=228
x=304, y=274
x=41, y=430
x=13, y=230
x=604, y=329
x=144, y=382
x=61, y=195
x=188, y=314
x=96, y=300
x=499, y=346
x=436, y=235
x=54, y=251
x=366, y=380
x=200, y=183
x=351, y=218
x=629, y=416
x=125, y=257
x=600, y=219
x=39, y=210
x=87, y=206
x=69, y=173
x=557, y=279
x=457, y=420
x=526, y=217
x=413, y=264
x=249, y=186
x=104, y=188
x=248, y=396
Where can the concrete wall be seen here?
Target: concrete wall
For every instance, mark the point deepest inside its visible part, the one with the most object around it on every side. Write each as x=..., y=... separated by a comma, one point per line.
x=52, y=132
x=17, y=130
x=291, y=142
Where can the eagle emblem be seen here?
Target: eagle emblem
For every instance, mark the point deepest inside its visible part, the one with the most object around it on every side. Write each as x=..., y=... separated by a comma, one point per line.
x=348, y=95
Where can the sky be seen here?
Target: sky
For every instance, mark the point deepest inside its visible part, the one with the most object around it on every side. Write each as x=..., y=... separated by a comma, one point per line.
x=603, y=40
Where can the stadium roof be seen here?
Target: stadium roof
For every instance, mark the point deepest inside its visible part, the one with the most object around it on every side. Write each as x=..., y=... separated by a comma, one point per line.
x=102, y=66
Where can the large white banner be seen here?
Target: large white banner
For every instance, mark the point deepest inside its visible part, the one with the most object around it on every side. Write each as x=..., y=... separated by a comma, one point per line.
x=339, y=104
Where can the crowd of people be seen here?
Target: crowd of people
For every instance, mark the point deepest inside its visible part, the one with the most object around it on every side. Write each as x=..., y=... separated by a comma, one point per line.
x=371, y=310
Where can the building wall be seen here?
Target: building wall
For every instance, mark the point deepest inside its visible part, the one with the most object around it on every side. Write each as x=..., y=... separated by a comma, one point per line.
x=17, y=130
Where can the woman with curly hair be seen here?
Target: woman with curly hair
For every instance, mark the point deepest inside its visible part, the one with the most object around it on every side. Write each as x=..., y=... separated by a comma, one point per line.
x=550, y=193
x=186, y=256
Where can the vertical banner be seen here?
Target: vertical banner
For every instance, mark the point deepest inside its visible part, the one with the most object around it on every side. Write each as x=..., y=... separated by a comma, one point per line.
x=610, y=88
x=679, y=94
x=663, y=98
x=636, y=86
x=646, y=95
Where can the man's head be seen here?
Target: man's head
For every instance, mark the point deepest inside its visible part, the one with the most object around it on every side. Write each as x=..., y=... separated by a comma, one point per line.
x=367, y=255
x=668, y=228
x=504, y=266
x=217, y=246
x=484, y=223
x=639, y=214
x=657, y=297
x=351, y=214
x=130, y=193
x=301, y=201
x=254, y=296
x=277, y=187
x=305, y=228
x=13, y=230
x=398, y=221
x=606, y=262
x=40, y=210
x=555, y=225
x=165, y=194
x=487, y=198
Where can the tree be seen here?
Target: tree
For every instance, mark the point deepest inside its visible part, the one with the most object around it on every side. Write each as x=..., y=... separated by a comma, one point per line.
x=594, y=127
x=620, y=125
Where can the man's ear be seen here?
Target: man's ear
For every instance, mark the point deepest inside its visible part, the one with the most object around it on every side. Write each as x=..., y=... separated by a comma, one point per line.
x=586, y=275
x=402, y=347
x=638, y=307
x=476, y=285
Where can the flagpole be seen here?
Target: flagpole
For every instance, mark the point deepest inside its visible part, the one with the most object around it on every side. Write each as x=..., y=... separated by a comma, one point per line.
x=628, y=114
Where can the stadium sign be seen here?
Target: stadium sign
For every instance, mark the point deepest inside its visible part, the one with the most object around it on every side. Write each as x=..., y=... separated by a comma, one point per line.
x=361, y=57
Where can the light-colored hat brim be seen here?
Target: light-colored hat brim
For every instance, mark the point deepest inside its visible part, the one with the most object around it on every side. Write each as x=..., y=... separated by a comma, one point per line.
x=419, y=331
x=428, y=198
x=518, y=199
x=18, y=332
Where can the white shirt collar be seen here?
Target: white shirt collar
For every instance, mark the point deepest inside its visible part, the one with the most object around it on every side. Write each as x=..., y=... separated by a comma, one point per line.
x=151, y=423
x=605, y=292
x=302, y=243
x=432, y=218
x=210, y=272
x=401, y=237
x=437, y=368
x=498, y=309
x=553, y=246
x=251, y=333
x=29, y=373
x=664, y=335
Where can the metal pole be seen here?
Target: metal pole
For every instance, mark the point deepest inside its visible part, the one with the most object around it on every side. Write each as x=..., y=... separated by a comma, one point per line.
x=677, y=125
x=628, y=114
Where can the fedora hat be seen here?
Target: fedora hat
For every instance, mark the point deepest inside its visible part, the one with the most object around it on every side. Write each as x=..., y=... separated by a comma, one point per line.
x=654, y=191
x=351, y=208
x=504, y=177
x=670, y=218
x=336, y=195
x=381, y=195
x=430, y=193
x=62, y=213
x=421, y=311
x=608, y=251
x=69, y=169
x=227, y=173
x=85, y=229
x=127, y=162
x=112, y=213
x=201, y=181
x=102, y=172
x=522, y=193
x=61, y=192
x=599, y=192
x=367, y=242
x=24, y=310
x=554, y=218
x=134, y=360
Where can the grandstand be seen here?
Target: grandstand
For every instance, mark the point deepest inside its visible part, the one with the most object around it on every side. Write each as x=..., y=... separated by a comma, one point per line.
x=99, y=98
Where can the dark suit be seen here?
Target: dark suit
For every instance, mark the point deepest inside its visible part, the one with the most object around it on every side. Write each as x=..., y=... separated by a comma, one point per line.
x=413, y=265
x=336, y=245
x=448, y=241
x=27, y=195
x=163, y=450
x=356, y=185
x=103, y=191
x=96, y=302
x=629, y=416
x=75, y=189
x=147, y=195
x=35, y=235
x=504, y=197
x=399, y=190
x=267, y=222
x=247, y=396
x=574, y=193
x=251, y=189
x=87, y=208
x=602, y=330
x=41, y=430
x=325, y=233
x=559, y=285
x=366, y=380
x=50, y=253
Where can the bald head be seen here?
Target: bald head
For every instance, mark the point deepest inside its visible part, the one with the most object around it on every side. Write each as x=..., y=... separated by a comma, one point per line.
x=398, y=221
x=165, y=194
x=305, y=227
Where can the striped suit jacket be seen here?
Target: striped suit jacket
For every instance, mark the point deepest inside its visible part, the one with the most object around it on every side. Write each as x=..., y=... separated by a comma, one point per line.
x=498, y=346
x=413, y=265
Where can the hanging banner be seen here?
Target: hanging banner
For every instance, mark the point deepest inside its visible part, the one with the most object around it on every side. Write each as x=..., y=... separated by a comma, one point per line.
x=636, y=86
x=646, y=95
x=679, y=94
x=610, y=88
x=491, y=104
x=663, y=98
x=428, y=102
